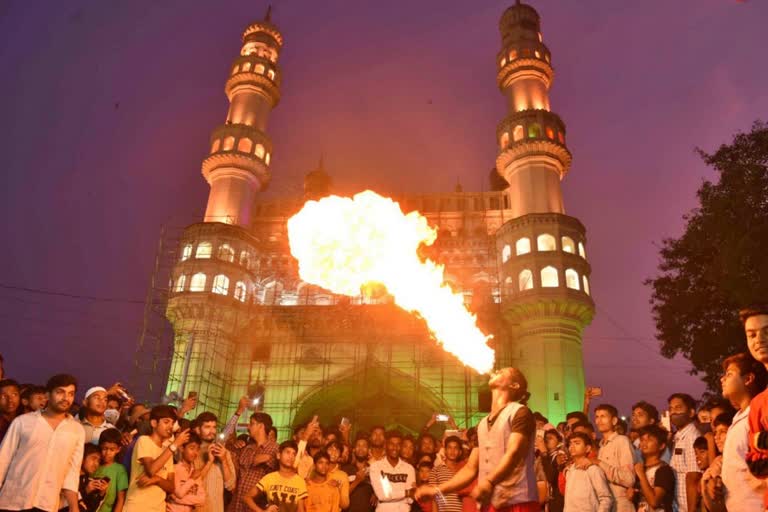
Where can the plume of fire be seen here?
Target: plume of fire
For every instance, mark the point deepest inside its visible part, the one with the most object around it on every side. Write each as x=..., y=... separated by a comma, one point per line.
x=344, y=244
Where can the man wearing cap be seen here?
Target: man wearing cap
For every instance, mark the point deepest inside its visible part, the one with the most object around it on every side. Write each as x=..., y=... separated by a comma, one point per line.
x=92, y=414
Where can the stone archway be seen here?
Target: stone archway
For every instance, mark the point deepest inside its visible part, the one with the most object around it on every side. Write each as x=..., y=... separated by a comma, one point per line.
x=375, y=395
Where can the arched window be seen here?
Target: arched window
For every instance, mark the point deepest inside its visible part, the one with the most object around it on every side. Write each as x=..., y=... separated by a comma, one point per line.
x=226, y=253
x=271, y=74
x=234, y=70
x=550, y=133
x=512, y=55
x=259, y=150
x=537, y=54
x=220, y=284
x=504, y=142
x=523, y=246
x=229, y=143
x=549, y=277
x=586, y=285
x=503, y=62
x=525, y=280
x=204, y=251
x=267, y=158
x=240, y=291
x=259, y=69
x=568, y=245
x=572, y=279
x=245, y=145
x=546, y=242
x=180, y=283
x=561, y=137
x=198, y=283
x=506, y=253
x=215, y=146
x=517, y=133
x=186, y=252
x=534, y=131
x=582, y=253
x=247, y=66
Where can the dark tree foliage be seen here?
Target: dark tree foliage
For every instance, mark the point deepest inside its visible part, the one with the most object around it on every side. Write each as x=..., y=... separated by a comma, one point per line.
x=720, y=263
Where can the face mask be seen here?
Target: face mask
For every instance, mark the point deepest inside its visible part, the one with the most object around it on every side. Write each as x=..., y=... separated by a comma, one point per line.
x=679, y=420
x=112, y=415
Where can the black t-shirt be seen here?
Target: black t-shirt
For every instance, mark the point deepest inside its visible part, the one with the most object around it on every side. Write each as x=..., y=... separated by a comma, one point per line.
x=664, y=477
x=523, y=423
x=360, y=497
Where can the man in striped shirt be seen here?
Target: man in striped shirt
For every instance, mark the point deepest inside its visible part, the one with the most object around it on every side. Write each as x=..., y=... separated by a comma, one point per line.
x=450, y=502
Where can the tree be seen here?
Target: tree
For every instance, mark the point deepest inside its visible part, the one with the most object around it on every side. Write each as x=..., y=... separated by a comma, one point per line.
x=720, y=263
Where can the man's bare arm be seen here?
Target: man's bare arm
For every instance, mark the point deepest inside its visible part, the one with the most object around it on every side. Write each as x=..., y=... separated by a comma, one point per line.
x=464, y=476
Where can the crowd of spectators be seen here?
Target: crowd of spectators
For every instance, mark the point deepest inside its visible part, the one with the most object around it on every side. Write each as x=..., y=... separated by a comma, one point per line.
x=108, y=453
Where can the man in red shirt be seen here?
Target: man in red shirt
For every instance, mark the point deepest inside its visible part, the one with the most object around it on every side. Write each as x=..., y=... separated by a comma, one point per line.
x=755, y=321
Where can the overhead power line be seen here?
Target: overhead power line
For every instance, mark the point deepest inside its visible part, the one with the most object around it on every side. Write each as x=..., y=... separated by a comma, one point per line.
x=93, y=298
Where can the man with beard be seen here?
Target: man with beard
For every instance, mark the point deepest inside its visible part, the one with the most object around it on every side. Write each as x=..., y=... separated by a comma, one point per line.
x=360, y=490
x=9, y=404
x=376, y=442
x=92, y=414
x=253, y=461
x=682, y=412
x=41, y=454
x=222, y=475
x=503, y=463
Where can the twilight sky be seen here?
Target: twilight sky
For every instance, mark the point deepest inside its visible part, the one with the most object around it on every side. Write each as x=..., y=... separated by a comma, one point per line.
x=107, y=107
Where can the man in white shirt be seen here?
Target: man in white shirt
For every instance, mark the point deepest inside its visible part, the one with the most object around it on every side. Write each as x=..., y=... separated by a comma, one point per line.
x=40, y=456
x=743, y=379
x=392, y=478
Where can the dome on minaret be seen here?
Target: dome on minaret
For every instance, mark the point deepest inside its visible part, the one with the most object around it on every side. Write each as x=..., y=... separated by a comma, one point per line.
x=317, y=183
x=519, y=23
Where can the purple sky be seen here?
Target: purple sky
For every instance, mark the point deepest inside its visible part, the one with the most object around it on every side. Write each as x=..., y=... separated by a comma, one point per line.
x=398, y=95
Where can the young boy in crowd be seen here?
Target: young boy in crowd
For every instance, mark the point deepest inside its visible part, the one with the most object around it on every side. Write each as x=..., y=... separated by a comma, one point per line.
x=33, y=398
x=711, y=481
x=701, y=449
x=334, y=449
x=283, y=488
x=152, y=463
x=586, y=490
x=189, y=490
x=109, y=444
x=655, y=479
x=92, y=489
x=742, y=380
x=322, y=493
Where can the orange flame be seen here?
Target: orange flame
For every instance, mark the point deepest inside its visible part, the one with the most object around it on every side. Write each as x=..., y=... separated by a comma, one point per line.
x=343, y=244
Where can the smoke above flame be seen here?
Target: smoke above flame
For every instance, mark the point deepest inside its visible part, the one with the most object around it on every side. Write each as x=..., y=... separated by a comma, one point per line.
x=344, y=244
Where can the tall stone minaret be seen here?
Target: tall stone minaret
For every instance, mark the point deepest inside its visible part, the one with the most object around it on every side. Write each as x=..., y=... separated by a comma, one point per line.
x=542, y=258
x=238, y=164
x=214, y=281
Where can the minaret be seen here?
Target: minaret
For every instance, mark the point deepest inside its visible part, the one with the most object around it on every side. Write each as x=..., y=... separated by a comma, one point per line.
x=241, y=151
x=544, y=271
x=213, y=285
